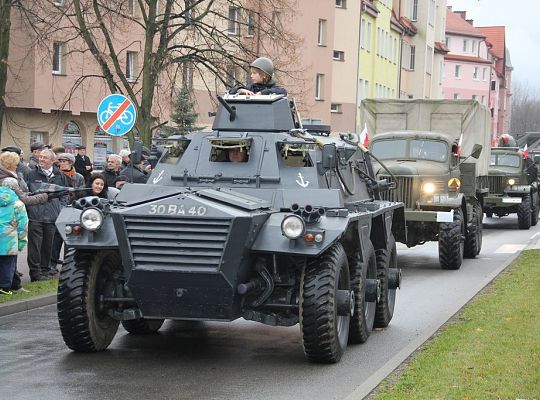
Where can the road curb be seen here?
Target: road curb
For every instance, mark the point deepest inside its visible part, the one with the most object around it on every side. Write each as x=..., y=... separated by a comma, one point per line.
x=27, y=305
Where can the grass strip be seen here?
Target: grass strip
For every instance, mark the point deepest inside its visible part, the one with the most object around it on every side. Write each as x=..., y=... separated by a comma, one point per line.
x=37, y=288
x=489, y=350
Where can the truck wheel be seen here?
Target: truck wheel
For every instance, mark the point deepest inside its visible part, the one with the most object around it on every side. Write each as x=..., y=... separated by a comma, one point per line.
x=324, y=332
x=451, y=242
x=363, y=317
x=524, y=213
x=489, y=214
x=142, y=326
x=473, y=240
x=85, y=277
x=386, y=261
x=534, y=210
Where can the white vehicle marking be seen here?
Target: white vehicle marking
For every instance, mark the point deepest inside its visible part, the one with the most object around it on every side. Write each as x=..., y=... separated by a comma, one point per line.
x=159, y=177
x=302, y=182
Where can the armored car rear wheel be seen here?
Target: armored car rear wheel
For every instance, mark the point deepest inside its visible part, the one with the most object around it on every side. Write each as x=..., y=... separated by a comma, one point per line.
x=524, y=213
x=142, y=326
x=363, y=269
x=386, y=264
x=324, y=332
x=451, y=242
x=85, y=278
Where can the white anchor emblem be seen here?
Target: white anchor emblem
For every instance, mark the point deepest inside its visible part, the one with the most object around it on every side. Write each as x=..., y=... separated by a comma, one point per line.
x=159, y=177
x=302, y=182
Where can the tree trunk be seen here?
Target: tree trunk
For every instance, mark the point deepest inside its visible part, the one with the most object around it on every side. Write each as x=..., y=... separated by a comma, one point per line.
x=5, y=25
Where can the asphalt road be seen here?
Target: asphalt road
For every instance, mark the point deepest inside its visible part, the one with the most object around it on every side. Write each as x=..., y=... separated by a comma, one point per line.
x=246, y=360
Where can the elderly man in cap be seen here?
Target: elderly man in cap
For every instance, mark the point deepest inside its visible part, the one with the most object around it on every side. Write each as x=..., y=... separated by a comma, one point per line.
x=35, y=149
x=83, y=165
x=42, y=217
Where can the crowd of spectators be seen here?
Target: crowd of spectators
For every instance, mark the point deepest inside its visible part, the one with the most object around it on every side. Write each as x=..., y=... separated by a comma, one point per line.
x=28, y=211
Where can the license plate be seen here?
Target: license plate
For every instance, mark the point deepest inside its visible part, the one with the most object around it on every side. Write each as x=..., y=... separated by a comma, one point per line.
x=445, y=216
x=513, y=200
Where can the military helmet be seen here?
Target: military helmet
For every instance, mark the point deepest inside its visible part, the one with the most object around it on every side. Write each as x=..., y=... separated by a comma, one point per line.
x=265, y=65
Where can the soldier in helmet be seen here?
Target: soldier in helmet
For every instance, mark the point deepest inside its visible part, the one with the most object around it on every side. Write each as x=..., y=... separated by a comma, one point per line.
x=262, y=80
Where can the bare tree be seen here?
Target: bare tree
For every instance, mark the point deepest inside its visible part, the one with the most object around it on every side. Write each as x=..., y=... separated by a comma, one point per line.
x=5, y=25
x=525, y=108
x=208, y=35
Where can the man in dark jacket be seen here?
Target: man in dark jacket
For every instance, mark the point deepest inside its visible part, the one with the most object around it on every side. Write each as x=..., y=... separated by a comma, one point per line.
x=262, y=80
x=83, y=165
x=35, y=149
x=42, y=217
x=136, y=173
x=114, y=162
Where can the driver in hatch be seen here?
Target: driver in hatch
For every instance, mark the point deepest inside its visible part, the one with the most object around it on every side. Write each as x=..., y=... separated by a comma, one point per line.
x=262, y=80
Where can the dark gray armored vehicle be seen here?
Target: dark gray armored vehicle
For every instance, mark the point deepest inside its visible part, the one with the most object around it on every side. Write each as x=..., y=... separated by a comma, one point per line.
x=292, y=232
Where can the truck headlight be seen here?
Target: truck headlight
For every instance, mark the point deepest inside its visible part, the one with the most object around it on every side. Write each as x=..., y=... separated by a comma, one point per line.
x=511, y=181
x=92, y=219
x=428, y=188
x=293, y=226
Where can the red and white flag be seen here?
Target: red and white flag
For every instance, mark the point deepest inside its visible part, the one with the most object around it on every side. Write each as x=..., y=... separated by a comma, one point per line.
x=458, y=152
x=525, y=151
x=364, y=137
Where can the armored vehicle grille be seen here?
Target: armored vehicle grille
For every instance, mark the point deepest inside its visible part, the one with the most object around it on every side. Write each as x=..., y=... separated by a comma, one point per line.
x=186, y=243
x=497, y=184
x=404, y=191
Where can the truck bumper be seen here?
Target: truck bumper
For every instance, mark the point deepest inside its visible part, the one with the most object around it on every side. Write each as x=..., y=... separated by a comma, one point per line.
x=429, y=216
x=501, y=201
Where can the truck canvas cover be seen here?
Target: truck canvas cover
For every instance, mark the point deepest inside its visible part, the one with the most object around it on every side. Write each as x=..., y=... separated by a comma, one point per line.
x=450, y=117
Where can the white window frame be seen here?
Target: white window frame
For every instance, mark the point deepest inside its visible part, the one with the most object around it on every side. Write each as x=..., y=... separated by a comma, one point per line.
x=368, y=34
x=250, y=24
x=341, y=3
x=431, y=14
x=414, y=10
x=429, y=60
x=58, y=58
x=58, y=2
x=233, y=28
x=319, y=87
x=363, y=33
x=484, y=74
x=335, y=108
x=412, y=57
x=465, y=45
x=338, y=55
x=473, y=46
x=321, y=32
x=131, y=7
x=131, y=66
x=476, y=73
x=457, y=71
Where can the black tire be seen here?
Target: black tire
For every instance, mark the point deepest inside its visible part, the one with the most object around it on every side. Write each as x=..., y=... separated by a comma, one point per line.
x=83, y=279
x=489, y=214
x=451, y=242
x=524, y=213
x=386, y=259
x=534, y=210
x=363, y=317
x=142, y=326
x=473, y=238
x=324, y=332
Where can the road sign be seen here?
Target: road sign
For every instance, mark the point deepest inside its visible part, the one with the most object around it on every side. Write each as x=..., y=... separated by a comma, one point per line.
x=116, y=114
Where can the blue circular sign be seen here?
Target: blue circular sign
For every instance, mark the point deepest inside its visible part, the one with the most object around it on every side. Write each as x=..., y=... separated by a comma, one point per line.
x=116, y=114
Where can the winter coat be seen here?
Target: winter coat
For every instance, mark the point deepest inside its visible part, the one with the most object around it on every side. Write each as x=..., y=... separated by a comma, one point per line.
x=269, y=88
x=33, y=163
x=47, y=212
x=81, y=162
x=134, y=174
x=9, y=180
x=13, y=223
x=110, y=176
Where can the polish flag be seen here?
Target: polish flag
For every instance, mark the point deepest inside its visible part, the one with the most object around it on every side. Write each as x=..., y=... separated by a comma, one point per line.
x=458, y=152
x=525, y=151
x=364, y=137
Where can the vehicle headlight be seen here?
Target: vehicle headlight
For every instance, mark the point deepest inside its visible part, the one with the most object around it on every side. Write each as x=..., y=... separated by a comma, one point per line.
x=511, y=181
x=428, y=188
x=92, y=219
x=293, y=226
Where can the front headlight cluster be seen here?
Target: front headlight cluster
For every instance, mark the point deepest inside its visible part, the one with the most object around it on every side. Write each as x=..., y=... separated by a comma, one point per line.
x=92, y=219
x=293, y=226
x=428, y=188
x=512, y=181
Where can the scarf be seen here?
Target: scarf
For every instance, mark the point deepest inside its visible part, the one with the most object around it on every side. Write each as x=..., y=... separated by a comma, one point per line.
x=71, y=173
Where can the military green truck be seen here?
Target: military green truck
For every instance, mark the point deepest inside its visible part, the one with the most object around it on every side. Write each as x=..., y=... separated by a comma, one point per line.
x=438, y=154
x=513, y=186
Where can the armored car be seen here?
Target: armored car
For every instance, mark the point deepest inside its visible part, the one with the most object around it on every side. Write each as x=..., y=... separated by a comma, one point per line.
x=291, y=229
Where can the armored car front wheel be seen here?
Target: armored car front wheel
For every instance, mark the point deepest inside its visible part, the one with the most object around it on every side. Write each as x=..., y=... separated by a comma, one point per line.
x=142, y=326
x=86, y=278
x=325, y=330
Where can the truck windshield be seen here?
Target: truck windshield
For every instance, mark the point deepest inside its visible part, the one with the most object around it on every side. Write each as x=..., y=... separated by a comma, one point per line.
x=505, y=160
x=388, y=149
x=429, y=150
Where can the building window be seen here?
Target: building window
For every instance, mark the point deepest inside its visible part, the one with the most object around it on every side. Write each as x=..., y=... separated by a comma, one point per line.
x=493, y=85
x=456, y=96
x=395, y=56
x=484, y=100
x=366, y=89
x=474, y=97
x=475, y=73
x=319, y=87
x=465, y=45
x=447, y=41
x=363, y=33
x=429, y=59
x=473, y=46
x=335, y=108
x=231, y=78
x=58, y=2
x=368, y=34
x=251, y=23
x=378, y=41
x=339, y=55
x=412, y=58
x=321, y=37
x=360, y=95
x=341, y=3
x=233, y=28
x=414, y=10
x=276, y=21
x=457, y=71
x=431, y=17
x=131, y=7
x=484, y=74
x=58, y=55
x=131, y=65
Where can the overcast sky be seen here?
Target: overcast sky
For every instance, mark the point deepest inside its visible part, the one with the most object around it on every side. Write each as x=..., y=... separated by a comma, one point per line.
x=522, y=31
